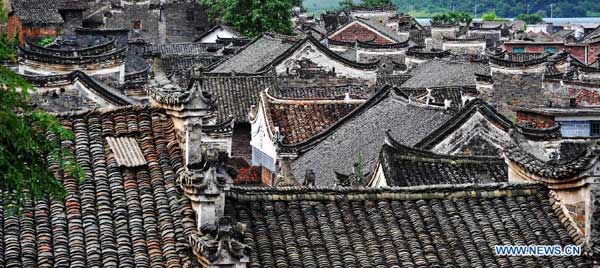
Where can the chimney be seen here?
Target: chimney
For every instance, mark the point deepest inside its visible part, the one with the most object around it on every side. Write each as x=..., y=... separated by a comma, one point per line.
x=205, y=185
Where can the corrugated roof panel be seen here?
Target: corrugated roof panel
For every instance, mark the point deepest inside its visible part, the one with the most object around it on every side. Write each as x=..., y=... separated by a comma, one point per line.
x=127, y=151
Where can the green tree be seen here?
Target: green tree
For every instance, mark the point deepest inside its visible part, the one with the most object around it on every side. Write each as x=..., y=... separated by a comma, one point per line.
x=376, y=3
x=452, y=18
x=28, y=146
x=530, y=18
x=253, y=17
x=490, y=16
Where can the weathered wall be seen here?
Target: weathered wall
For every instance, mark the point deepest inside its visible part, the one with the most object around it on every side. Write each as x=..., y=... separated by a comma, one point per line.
x=240, y=145
x=477, y=136
x=29, y=32
x=516, y=90
x=464, y=48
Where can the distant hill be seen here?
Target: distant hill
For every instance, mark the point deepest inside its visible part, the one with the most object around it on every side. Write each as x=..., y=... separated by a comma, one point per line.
x=504, y=8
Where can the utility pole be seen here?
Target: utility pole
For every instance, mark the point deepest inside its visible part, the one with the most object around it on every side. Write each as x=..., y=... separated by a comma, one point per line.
x=551, y=10
x=476, y=10
x=528, y=5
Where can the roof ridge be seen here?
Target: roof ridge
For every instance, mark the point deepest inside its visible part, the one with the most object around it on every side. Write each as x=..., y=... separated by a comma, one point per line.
x=440, y=191
x=103, y=111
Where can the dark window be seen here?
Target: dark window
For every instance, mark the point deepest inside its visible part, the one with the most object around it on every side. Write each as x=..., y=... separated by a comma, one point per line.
x=518, y=50
x=572, y=102
x=595, y=128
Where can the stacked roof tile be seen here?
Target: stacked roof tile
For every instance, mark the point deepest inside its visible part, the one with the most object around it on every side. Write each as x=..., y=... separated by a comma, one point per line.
x=450, y=226
x=116, y=217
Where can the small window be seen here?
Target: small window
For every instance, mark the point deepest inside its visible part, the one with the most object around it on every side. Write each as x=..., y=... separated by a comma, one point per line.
x=137, y=25
x=518, y=50
x=549, y=50
x=595, y=128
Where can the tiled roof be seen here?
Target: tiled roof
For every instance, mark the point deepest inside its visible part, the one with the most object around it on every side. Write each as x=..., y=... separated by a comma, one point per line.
x=117, y=217
x=299, y=120
x=407, y=166
x=361, y=135
x=39, y=16
x=551, y=169
x=235, y=94
x=178, y=64
x=437, y=95
x=451, y=226
x=442, y=73
x=256, y=55
x=330, y=88
x=392, y=80
x=79, y=100
x=44, y=12
x=183, y=49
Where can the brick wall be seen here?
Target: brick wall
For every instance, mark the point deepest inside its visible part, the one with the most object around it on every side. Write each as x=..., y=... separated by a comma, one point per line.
x=359, y=32
x=577, y=51
x=538, y=120
x=593, y=50
x=14, y=25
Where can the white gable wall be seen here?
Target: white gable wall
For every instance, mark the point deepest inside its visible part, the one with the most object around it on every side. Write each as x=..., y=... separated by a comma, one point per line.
x=309, y=51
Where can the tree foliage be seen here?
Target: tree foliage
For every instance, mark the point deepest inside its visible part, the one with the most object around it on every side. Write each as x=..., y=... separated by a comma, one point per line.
x=530, y=18
x=26, y=147
x=376, y=3
x=489, y=16
x=253, y=17
x=346, y=4
x=504, y=8
x=8, y=51
x=452, y=18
